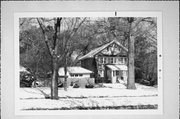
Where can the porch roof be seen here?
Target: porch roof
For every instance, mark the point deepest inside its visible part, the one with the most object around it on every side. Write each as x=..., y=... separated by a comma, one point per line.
x=117, y=67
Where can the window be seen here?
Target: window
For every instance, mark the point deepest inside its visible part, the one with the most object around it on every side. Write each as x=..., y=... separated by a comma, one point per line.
x=125, y=60
x=117, y=73
x=105, y=60
x=76, y=75
x=111, y=60
x=115, y=60
x=72, y=75
x=101, y=60
x=120, y=60
x=100, y=66
x=100, y=73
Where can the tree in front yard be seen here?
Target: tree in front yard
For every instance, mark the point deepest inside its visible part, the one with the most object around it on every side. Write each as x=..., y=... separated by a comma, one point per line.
x=48, y=42
x=139, y=35
x=59, y=46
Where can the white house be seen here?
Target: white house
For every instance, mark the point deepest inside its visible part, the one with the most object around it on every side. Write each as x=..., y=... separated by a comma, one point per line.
x=76, y=74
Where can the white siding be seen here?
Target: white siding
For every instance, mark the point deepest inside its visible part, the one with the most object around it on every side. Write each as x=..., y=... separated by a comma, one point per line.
x=86, y=75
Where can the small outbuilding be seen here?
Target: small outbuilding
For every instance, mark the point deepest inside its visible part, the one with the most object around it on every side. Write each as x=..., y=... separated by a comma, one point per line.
x=78, y=75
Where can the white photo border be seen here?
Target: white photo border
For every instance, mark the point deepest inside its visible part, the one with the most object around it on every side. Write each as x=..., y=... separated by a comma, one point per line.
x=157, y=14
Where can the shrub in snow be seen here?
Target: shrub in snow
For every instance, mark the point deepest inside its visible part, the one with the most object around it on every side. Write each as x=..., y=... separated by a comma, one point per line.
x=26, y=79
x=100, y=85
x=37, y=84
x=89, y=86
x=75, y=86
x=60, y=85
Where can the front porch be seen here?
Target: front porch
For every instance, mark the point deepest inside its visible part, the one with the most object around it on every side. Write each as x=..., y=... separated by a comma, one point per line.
x=116, y=73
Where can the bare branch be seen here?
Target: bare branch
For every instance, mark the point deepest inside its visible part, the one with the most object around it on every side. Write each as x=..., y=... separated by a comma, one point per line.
x=57, y=29
x=76, y=29
x=137, y=24
x=140, y=32
x=22, y=22
x=45, y=38
x=66, y=39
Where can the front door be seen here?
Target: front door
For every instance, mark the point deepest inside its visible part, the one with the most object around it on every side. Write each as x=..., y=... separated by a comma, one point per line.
x=117, y=76
x=113, y=75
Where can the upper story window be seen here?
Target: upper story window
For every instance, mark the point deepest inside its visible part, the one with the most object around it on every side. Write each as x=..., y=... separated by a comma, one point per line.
x=125, y=60
x=112, y=60
x=105, y=60
x=115, y=60
x=120, y=60
x=109, y=60
x=101, y=60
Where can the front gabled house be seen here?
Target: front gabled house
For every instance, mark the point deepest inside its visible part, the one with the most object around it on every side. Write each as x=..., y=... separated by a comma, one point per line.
x=108, y=62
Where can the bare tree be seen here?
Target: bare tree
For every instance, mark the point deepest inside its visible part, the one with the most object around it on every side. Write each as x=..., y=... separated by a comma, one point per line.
x=60, y=47
x=127, y=30
x=53, y=51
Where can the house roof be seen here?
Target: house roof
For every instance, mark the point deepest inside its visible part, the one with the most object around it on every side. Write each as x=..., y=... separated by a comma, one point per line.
x=74, y=70
x=117, y=67
x=23, y=69
x=97, y=50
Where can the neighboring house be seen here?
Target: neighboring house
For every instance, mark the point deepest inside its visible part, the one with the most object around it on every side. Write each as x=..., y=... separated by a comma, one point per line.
x=26, y=78
x=23, y=69
x=76, y=74
x=108, y=62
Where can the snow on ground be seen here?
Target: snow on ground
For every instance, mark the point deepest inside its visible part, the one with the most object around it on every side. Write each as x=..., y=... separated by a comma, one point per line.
x=110, y=95
x=86, y=102
x=110, y=90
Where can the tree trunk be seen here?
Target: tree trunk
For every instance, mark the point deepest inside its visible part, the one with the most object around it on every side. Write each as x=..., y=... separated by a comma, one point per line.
x=65, y=75
x=54, y=83
x=65, y=78
x=131, y=74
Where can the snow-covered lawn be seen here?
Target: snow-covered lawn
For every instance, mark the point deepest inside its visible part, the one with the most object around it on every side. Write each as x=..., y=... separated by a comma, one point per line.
x=111, y=95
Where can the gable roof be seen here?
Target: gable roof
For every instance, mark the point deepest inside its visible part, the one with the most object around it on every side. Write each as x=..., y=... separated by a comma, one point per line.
x=74, y=70
x=97, y=50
